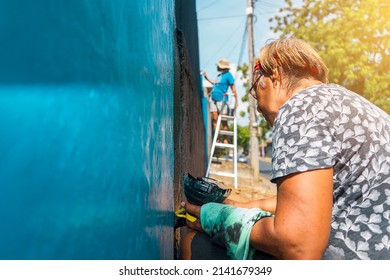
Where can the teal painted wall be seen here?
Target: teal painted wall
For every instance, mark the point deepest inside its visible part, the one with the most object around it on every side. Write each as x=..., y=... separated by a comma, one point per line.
x=86, y=129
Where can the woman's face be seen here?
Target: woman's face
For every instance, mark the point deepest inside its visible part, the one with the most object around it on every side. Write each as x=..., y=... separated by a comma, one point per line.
x=264, y=93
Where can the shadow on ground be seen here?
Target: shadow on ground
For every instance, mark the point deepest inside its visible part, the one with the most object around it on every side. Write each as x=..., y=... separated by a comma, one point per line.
x=247, y=189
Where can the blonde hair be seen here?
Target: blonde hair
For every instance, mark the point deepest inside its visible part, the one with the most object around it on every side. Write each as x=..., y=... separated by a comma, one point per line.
x=295, y=59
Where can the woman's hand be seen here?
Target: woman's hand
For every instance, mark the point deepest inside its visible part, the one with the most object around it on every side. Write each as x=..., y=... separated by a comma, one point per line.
x=194, y=210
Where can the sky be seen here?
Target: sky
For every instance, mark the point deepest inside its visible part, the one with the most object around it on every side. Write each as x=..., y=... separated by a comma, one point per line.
x=221, y=27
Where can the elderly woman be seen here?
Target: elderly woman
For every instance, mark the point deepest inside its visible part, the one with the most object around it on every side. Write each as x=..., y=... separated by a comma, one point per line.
x=331, y=164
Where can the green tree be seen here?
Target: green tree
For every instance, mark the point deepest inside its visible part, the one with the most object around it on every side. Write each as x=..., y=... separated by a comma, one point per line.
x=353, y=38
x=243, y=137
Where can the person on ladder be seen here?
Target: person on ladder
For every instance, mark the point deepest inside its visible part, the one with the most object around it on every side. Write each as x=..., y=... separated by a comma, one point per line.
x=218, y=97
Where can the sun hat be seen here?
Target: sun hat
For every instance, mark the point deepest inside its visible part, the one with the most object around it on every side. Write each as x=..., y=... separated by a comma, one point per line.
x=223, y=64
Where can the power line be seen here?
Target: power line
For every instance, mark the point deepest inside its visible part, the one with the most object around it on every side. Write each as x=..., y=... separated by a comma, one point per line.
x=271, y=5
x=213, y=18
x=263, y=12
x=209, y=5
x=223, y=44
x=243, y=43
x=267, y=13
x=264, y=7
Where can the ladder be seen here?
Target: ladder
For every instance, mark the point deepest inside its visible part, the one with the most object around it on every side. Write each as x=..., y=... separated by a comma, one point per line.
x=233, y=146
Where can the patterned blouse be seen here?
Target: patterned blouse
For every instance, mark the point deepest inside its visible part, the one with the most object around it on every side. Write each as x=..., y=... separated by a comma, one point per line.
x=329, y=126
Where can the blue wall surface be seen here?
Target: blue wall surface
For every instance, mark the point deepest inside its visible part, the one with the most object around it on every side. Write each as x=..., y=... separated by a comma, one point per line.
x=86, y=129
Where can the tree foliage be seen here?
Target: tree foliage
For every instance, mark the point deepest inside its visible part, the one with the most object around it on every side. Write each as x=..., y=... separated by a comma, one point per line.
x=352, y=37
x=243, y=137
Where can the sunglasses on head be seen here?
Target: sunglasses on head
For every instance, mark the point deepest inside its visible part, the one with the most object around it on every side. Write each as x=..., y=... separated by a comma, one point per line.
x=260, y=72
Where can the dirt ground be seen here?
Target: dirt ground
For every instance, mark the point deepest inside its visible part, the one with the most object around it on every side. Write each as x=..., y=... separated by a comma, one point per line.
x=247, y=189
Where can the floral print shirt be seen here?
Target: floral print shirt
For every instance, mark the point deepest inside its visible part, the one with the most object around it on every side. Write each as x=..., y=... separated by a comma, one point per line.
x=329, y=126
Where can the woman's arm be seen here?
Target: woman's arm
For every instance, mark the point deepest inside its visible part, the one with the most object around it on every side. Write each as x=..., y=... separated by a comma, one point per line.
x=207, y=78
x=266, y=204
x=301, y=225
x=234, y=91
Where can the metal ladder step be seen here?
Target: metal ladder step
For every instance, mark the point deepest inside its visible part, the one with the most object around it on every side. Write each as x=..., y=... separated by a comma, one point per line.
x=226, y=132
x=227, y=118
x=223, y=145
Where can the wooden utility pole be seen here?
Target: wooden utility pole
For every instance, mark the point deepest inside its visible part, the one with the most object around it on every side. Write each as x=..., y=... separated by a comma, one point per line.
x=254, y=142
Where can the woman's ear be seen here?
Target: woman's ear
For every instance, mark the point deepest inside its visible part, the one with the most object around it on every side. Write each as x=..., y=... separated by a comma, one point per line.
x=276, y=77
